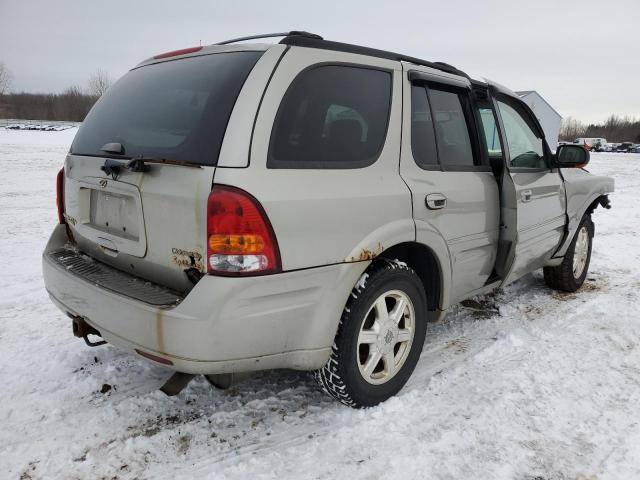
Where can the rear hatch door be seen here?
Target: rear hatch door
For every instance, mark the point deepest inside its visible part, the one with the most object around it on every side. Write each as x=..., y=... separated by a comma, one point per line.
x=141, y=167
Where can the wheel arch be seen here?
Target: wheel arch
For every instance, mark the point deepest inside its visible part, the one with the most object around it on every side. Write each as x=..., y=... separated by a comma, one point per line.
x=424, y=261
x=587, y=209
x=602, y=200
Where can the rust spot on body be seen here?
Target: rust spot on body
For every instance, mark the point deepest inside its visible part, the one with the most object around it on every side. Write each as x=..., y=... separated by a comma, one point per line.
x=366, y=254
x=187, y=259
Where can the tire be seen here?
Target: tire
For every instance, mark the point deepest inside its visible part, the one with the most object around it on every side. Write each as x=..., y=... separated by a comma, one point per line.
x=571, y=273
x=352, y=375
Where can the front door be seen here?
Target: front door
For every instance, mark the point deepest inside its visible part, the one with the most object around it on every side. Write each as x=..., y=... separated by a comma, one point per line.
x=454, y=192
x=538, y=194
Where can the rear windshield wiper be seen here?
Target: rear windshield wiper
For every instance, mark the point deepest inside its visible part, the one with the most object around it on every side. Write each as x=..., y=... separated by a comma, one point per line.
x=114, y=166
x=137, y=164
x=142, y=160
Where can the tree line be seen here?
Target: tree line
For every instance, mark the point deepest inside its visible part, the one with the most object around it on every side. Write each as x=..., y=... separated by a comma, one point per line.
x=615, y=129
x=74, y=103
x=71, y=105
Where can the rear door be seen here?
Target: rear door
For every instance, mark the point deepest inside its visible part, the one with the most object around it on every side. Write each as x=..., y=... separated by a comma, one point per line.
x=538, y=190
x=454, y=190
x=173, y=113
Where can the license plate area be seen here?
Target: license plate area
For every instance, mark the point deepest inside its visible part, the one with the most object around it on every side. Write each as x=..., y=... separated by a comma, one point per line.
x=114, y=213
x=110, y=215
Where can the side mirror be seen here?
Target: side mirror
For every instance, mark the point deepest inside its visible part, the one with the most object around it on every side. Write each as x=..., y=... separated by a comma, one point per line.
x=571, y=156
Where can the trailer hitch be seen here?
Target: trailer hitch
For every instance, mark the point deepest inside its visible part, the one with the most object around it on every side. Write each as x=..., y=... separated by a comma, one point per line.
x=82, y=329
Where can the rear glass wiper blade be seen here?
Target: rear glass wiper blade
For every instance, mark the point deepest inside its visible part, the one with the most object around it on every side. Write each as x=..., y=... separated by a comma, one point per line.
x=137, y=164
x=114, y=166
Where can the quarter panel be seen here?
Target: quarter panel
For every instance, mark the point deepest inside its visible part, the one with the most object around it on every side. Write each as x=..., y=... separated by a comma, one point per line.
x=323, y=216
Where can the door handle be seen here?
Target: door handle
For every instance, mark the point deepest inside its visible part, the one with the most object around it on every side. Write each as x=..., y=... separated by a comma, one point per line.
x=525, y=195
x=435, y=201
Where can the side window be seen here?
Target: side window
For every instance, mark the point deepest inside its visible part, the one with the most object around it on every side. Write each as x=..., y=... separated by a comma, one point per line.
x=452, y=132
x=332, y=117
x=489, y=129
x=423, y=140
x=525, y=146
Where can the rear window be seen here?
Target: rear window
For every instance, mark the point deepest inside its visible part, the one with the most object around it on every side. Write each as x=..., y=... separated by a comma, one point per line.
x=175, y=110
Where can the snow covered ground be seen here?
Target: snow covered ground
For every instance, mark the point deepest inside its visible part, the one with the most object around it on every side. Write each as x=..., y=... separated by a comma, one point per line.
x=524, y=384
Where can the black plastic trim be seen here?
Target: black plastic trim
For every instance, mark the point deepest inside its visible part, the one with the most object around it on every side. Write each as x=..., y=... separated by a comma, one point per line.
x=310, y=42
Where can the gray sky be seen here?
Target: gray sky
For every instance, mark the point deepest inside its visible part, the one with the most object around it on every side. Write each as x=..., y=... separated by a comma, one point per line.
x=582, y=55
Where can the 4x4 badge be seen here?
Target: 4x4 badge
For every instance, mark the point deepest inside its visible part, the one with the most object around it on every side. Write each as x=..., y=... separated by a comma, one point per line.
x=103, y=183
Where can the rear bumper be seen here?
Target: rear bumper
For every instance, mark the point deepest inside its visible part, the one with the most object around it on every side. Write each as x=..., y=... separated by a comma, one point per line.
x=224, y=324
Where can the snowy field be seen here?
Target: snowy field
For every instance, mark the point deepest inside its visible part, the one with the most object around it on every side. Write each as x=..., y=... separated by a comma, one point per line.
x=524, y=384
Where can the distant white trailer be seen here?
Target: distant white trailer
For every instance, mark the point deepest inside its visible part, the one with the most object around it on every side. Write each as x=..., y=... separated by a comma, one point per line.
x=591, y=142
x=548, y=117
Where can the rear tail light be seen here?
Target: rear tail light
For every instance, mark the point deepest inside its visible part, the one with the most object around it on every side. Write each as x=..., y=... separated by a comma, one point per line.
x=60, y=196
x=240, y=239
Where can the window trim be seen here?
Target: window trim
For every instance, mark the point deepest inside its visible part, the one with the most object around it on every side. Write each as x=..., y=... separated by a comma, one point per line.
x=273, y=163
x=433, y=166
x=523, y=110
x=476, y=91
x=472, y=128
x=470, y=120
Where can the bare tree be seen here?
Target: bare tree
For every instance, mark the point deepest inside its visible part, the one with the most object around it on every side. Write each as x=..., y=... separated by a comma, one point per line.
x=73, y=103
x=571, y=129
x=99, y=82
x=5, y=79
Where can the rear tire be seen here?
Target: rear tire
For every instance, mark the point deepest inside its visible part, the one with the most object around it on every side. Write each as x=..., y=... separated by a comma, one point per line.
x=571, y=273
x=379, y=339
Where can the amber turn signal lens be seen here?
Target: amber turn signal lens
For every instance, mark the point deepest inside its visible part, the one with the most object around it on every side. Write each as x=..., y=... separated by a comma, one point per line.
x=236, y=244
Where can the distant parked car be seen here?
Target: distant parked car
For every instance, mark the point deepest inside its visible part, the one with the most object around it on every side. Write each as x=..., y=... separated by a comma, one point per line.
x=611, y=147
x=624, y=147
x=636, y=148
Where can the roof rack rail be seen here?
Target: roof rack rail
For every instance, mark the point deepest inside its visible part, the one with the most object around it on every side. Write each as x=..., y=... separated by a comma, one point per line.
x=315, y=41
x=293, y=33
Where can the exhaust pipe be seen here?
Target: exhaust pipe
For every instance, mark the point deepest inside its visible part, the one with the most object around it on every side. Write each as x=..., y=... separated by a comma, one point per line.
x=82, y=329
x=176, y=383
x=179, y=380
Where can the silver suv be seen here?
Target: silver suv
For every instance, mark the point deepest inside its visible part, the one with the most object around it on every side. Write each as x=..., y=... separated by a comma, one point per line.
x=308, y=205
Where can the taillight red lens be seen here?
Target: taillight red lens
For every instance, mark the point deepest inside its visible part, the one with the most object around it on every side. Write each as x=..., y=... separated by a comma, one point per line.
x=175, y=53
x=60, y=196
x=240, y=239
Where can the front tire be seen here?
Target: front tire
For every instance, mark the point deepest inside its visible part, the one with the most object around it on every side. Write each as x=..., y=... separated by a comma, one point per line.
x=379, y=339
x=571, y=273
